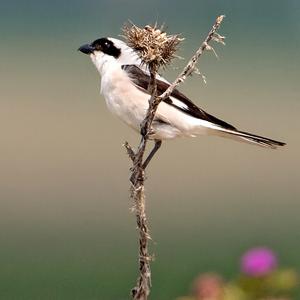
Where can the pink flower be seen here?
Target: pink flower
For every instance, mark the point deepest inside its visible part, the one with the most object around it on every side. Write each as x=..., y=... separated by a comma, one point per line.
x=208, y=286
x=258, y=261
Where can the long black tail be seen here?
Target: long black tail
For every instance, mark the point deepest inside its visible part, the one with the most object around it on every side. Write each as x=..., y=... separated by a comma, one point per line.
x=250, y=138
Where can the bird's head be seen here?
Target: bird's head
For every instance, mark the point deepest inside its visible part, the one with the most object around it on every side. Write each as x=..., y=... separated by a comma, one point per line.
x=109, y=50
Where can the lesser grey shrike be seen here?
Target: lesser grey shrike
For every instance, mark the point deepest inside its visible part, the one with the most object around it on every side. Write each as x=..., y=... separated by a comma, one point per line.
x=124, y=85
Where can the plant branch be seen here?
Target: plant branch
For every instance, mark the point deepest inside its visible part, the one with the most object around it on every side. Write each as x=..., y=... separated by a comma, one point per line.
x=142, y=290
x=137, y=189
x=130, y=151
x=190, y=67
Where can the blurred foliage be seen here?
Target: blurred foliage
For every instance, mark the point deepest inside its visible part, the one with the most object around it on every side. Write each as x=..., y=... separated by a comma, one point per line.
x=275, y=284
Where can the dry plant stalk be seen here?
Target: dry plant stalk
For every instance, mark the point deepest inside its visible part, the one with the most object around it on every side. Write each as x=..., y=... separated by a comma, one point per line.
x=155, y=49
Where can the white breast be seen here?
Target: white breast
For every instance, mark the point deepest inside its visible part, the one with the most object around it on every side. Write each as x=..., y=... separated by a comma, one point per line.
x=122, y=97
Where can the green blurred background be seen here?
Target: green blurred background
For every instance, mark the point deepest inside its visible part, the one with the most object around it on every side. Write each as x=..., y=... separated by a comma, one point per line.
x=66, y=231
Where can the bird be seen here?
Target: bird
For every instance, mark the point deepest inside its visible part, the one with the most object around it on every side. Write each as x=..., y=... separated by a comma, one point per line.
x=124, y=85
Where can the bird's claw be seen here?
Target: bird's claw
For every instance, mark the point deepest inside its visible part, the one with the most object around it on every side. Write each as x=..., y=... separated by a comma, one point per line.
x=146, y=133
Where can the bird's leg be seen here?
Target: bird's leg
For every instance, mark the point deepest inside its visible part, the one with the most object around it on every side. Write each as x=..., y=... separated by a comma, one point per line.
x=157, y=144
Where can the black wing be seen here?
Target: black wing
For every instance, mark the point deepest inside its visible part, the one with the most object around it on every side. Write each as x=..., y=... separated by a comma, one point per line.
x=142, y=80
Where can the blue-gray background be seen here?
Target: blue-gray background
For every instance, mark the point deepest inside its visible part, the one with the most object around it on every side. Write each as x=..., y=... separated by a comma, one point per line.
x=66, y=231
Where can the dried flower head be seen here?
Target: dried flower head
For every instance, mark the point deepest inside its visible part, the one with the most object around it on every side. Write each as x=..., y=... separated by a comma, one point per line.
x=152, y=44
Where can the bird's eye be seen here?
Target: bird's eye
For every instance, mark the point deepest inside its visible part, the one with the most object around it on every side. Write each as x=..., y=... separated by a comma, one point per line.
x=106, y=44
x=98, y=47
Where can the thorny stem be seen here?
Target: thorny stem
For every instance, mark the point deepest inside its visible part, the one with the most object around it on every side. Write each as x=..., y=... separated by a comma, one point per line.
x=137, y=189
x=142, y=290
x=190, y=67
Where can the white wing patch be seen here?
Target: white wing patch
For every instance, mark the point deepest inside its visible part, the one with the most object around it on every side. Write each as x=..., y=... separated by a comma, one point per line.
x=178, y=103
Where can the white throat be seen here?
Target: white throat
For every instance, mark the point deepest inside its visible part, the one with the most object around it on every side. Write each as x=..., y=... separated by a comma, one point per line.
x=103, y=62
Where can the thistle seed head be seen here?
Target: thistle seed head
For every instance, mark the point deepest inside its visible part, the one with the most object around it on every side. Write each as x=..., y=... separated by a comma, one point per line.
x=153, y=45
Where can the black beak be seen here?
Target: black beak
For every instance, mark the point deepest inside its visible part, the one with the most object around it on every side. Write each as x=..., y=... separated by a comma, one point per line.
x=86, y=49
